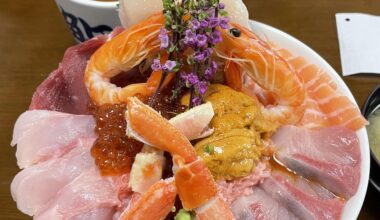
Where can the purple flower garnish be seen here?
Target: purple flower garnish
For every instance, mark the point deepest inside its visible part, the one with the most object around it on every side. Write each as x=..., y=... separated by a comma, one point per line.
x=190, y=37
x=196, y=101
x=169, y=65
x=164, y=38
x=215, y=37
x=207, y=52
x=192, y=78
x=204, y=24
x=221, y=6
x=202, y=87
x=156, y=65
x=211, y=70
x=195, y=24
x=189, y=33
x=223, y=22
x=199, y=56
x=213, y=22
x=209, y=73
x=201, y=40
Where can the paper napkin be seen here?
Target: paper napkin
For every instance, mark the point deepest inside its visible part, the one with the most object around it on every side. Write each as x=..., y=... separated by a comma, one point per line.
x=359, y=42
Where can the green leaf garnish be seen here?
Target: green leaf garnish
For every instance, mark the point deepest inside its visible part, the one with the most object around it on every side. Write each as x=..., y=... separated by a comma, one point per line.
x=209, y=149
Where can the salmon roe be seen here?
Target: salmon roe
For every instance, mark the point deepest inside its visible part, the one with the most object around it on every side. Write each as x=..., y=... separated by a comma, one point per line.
x=113, y=151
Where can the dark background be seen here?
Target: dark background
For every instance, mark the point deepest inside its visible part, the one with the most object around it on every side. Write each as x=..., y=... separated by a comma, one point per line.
x=33, y=38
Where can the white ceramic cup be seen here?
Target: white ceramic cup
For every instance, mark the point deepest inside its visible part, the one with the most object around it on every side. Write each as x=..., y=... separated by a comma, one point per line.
x=88, y=18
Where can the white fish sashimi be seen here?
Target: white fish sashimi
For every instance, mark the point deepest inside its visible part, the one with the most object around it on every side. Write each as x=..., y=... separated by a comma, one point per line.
x=41, y=135
x=85, y=195
x=34, y=186
x=129, y=16
x=28, y=120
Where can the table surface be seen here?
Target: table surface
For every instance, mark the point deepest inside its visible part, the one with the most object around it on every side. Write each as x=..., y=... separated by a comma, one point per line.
x=33, y=38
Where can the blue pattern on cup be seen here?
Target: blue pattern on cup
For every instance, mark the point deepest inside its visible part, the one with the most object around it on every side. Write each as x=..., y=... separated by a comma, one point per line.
x=88, y=32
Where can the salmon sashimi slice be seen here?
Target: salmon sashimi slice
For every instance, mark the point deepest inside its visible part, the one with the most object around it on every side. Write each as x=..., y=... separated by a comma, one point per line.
x=313, y=116
x=334, y=106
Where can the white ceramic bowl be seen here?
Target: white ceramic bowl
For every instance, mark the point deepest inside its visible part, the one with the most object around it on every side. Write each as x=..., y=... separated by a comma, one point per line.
x=88, y=18
x=353, y=206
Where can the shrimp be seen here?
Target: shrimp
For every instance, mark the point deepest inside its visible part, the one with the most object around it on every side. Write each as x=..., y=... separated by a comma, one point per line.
x=122, y=53
x=282, y=79
x=257, y=60
x=193, y=180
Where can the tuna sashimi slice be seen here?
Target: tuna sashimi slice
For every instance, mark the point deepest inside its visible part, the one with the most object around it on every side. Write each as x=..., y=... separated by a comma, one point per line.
x=42, y=135
x=34, y=186
x=305, y=199
x=330, y=156
x=260, y=206
x=87, y=195
x=64, y=90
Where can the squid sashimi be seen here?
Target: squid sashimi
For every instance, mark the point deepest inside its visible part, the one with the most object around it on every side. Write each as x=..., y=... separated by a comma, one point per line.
x=39, y=139
x=34, y=186
x=328, y=155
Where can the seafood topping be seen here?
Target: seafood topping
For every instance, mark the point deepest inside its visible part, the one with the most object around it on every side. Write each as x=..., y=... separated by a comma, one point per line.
x=260, y=205
x=240, y=130
x=329, y=155
x=34, y=146
x=113, y=151
x=63, y=90
x=305, y=199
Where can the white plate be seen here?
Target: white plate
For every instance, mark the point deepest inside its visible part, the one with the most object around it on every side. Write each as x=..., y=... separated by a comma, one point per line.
x=353, y=206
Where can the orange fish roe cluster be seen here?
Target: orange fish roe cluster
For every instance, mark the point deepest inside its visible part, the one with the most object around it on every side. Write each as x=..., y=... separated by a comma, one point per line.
x=113, y=151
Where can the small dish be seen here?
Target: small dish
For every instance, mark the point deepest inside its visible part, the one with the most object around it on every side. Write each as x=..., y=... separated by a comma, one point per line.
x=371, y=104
